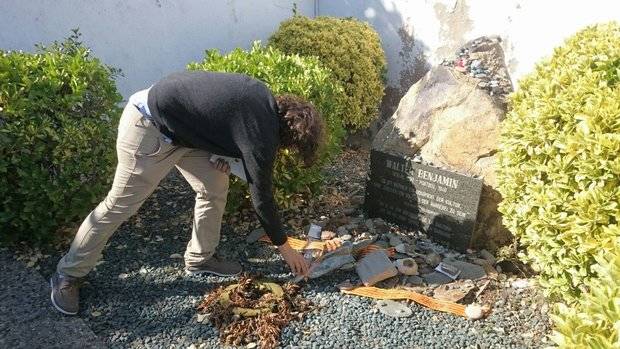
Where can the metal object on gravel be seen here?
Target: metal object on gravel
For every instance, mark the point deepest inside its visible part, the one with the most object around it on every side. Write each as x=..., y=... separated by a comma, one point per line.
x=393, y=308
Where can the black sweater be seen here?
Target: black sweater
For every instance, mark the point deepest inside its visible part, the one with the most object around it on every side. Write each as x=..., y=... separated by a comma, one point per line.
x=225, y=114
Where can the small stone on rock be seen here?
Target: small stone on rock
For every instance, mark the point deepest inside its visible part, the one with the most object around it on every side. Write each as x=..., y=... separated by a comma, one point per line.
x=407, y=266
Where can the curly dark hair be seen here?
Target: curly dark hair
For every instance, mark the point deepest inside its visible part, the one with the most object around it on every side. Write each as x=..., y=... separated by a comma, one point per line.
x=301, y=127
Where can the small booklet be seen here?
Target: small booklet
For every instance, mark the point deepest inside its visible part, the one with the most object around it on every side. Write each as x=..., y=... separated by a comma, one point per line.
x=236, y=165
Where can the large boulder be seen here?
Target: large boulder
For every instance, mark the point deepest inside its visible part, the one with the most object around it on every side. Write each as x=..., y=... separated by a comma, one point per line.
x=452, y=122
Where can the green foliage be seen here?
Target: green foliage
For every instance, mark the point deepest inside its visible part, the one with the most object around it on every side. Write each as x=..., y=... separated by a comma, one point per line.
x=559, y=168
x=595, y=322
x=58, y=111
x=292, y=74
x=351, y=49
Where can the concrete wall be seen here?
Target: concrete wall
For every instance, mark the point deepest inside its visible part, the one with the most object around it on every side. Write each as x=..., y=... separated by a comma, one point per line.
x=147, y=39
x=419, y=33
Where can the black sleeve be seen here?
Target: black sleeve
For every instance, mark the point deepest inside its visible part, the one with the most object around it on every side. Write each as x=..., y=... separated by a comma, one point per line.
x=259, y=167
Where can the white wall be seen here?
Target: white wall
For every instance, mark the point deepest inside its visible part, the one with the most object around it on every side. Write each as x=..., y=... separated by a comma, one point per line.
x=147, y=39
x=434, y=29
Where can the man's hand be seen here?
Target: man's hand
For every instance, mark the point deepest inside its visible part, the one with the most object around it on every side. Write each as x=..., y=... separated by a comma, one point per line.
x=294, y=259
x=222, y=165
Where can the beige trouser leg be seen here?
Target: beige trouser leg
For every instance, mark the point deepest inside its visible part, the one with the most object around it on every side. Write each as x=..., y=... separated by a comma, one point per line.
x=144, y=159
x=211, y=187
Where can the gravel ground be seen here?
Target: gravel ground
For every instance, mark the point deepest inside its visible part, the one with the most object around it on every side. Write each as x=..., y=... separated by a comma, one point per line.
x=27, y=319
x=138, y=296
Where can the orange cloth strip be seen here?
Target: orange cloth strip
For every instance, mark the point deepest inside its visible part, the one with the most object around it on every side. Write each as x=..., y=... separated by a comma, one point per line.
x=429, y=302
x=372, y=248
x=298, y=244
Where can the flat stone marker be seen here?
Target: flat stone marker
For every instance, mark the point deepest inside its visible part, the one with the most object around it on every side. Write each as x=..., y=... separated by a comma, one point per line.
x=393, y=308
x=375, y=267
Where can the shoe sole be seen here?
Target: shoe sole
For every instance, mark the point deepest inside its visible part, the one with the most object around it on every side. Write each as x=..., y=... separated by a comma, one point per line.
x=199, y=272
x=54, y=302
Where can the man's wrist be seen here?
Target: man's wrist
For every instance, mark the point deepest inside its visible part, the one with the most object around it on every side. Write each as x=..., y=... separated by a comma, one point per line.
x=284, y=246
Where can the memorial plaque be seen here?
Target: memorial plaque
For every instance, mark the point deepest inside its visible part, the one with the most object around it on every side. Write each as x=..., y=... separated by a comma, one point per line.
x=441, y=203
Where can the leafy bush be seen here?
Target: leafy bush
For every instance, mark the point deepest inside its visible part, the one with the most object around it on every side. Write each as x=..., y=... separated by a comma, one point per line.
x=302, y=76
x=58, y=111
x=559, y=168
x=594, y=323
x=351, y=49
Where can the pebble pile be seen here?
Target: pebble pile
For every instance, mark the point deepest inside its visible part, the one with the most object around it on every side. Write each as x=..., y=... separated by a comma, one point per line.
x=483, y=60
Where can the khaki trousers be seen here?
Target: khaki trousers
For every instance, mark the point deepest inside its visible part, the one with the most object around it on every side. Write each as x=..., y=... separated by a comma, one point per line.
x=144, y=159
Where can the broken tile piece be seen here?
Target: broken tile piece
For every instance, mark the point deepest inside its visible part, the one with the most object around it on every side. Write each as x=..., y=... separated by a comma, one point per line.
x=330, y=264
x=375, y=267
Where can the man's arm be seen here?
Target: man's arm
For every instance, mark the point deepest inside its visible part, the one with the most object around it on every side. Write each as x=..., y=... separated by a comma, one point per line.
x=259, y=170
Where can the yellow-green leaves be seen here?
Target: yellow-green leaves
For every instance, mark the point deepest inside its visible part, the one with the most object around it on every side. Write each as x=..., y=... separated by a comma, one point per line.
x=560, y=180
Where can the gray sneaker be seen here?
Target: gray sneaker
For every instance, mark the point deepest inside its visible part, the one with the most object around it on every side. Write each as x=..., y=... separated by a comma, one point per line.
x=215, y=266
x=65, y=293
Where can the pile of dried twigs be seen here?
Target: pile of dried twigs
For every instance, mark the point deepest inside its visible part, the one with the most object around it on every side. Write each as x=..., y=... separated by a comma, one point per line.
x=264, y=328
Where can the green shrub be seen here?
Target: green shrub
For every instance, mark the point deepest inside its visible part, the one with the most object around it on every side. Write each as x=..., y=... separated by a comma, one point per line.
x=351, y=49
x=595, y=321
x=58, y=111
x=559, y=168
x=302, y=76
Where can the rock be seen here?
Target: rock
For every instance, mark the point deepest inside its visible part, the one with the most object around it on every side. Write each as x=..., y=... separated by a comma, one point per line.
x=176, y=256
x=414, y=280
x=255, y=235
x=357, y=200
x=251, y=345
x=474, y=311
x=200, y=318
x=401, y=248
x=393, y=308
x=375, y=267
x=436, y=278
x=395, y=241
x=346, y=237
x=433, y=259
x=520, y=283
x=469, y=271
x=342, y=230
x=389, y=283
x=327, y=235
x=453, y=124
x=407, y=266
x=369, y=224
x=488, y=256
x=349, y=211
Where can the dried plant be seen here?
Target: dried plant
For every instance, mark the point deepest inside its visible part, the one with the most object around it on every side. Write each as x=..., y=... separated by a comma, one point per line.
x=265, y=328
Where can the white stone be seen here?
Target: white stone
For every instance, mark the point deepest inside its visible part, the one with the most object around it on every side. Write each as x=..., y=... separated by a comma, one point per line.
x=520, y=283
x=176, y=256
x=474, y=311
